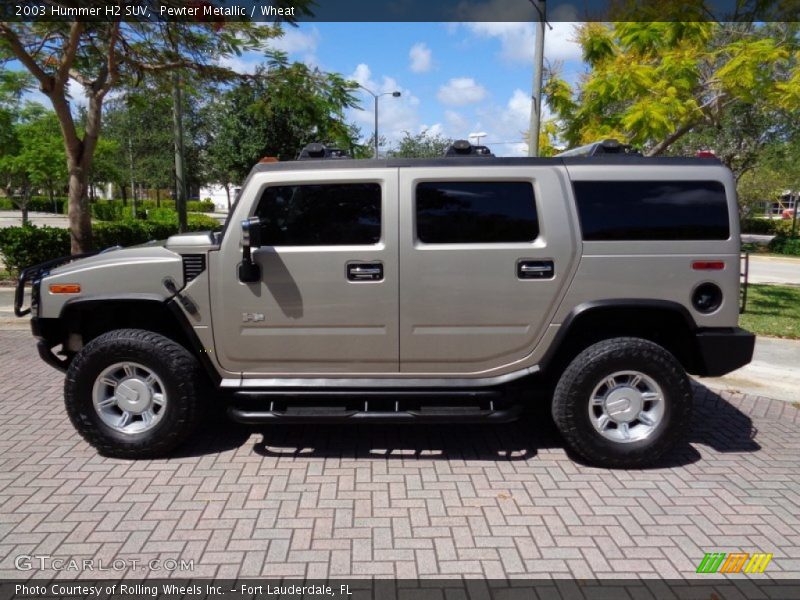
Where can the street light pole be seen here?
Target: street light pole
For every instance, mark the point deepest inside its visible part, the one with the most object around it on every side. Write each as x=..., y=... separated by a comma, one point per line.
x=538, y=68
x=375, y=96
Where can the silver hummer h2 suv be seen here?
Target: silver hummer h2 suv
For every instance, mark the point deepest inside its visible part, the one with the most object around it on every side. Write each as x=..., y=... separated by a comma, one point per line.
x=456, y=289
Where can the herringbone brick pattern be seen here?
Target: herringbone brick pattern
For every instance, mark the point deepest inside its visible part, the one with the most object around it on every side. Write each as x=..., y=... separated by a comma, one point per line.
x=316, y=502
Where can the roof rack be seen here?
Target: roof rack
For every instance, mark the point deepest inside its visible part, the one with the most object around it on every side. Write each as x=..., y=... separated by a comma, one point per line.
x=464, y=148
x=317, y=151
x=609, y=146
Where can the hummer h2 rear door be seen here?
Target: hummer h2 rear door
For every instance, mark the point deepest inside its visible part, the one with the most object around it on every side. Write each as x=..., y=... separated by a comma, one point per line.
x=485, y=252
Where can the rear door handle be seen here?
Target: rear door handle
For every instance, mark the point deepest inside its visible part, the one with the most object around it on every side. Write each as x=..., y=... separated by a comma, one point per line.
x=536, y=269
x=365, y=271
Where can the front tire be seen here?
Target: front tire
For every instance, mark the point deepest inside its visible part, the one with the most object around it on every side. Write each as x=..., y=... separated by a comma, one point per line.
x=623, y=403
x=133, y=394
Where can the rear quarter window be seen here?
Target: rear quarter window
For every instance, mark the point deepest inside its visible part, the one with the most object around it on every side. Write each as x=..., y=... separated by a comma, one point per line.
x=652, y=210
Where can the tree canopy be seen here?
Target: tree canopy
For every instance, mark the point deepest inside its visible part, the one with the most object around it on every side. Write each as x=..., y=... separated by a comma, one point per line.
x=276, y=112
x=651, y=83
x=421, y=145
x=101, y=56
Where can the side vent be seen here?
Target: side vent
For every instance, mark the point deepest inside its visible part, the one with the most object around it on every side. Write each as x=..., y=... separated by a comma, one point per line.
x=193, y=265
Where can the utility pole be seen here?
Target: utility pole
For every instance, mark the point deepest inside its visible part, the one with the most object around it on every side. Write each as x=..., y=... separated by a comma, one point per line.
x=538, y=68
x=180, y=167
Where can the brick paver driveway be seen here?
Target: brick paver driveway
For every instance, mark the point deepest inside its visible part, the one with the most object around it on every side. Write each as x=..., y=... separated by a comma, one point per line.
x=482, y=501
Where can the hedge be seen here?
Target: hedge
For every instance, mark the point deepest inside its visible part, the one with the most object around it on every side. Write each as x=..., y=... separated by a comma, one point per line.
x=785, y=245
x=29, y=245
x=759, y=226
x=767, y=226
x=106, y=210
x=37, y=204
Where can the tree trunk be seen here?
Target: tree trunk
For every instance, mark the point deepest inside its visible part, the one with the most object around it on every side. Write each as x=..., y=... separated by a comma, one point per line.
x=228, y=194
x=26, y=198
x=177, y=131
x=80, y=223
x=124, y=193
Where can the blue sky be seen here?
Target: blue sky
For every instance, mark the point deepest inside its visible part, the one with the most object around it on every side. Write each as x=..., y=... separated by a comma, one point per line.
x=455, y=78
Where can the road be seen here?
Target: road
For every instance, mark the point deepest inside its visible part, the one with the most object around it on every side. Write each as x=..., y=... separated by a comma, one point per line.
x=12, y=218
x=774, y=269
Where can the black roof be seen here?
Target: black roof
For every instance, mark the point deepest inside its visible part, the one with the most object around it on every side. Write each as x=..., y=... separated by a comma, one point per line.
x=479, y=162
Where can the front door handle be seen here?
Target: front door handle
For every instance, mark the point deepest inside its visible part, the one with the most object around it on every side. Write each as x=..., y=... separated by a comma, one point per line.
x=536, y=269
x=357, y=271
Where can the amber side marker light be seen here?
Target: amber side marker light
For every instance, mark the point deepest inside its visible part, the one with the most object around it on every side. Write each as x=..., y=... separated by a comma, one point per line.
x=708, y=265
x=65, y=288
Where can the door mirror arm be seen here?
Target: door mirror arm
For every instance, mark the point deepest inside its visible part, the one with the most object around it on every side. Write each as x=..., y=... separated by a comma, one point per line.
x=250, y=272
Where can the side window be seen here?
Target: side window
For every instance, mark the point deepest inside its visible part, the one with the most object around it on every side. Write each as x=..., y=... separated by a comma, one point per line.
x=464, y=212
x=327, y=214
x=652, y=210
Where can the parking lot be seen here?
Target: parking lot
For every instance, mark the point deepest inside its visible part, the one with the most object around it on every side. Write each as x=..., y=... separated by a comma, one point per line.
x=405, y=502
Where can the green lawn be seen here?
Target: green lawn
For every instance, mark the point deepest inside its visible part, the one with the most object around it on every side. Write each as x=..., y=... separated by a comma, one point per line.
x=772, y=310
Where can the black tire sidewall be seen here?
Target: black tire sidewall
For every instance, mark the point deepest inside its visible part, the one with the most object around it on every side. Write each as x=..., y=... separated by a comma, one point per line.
x=149, y=350
x=573, y=394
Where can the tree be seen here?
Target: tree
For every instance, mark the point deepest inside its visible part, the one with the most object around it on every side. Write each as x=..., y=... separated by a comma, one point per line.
x=775, y=171
x=101, y=56
x=422, y=145
x=651, y=83
x=283, y=107
x=38, y=160
x=139, y=122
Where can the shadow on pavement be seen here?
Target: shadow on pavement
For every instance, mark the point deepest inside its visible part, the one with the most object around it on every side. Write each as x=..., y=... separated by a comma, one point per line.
x=716, y=424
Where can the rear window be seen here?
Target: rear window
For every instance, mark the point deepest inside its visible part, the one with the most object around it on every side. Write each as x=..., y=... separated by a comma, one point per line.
x=652, y=210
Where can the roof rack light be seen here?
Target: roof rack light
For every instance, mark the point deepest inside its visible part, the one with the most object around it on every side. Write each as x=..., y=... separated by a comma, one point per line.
x=464, y=148
x=317, y=151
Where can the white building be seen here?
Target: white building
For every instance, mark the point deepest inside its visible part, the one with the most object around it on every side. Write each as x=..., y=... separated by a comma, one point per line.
x=218, y=196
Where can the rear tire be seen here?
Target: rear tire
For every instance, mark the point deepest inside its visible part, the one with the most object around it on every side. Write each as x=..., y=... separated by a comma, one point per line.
x=623, y=403
x=134, y=394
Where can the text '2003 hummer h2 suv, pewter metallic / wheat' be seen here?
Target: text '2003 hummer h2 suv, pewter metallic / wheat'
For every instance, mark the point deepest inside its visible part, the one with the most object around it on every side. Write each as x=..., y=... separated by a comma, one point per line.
x=457, y=289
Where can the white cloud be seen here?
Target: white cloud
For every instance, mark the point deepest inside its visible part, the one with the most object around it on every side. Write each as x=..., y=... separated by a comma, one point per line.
x=460, y=91
x=433, y=130
x=517, y=40
x=457, y=124
x=396, y=115
x=421, y=58
x=241, y=64
x=508, y=124
x=300, y=43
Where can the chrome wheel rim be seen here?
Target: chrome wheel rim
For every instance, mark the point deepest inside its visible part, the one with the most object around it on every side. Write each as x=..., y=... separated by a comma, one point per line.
x=129, y=397
x=626, y=406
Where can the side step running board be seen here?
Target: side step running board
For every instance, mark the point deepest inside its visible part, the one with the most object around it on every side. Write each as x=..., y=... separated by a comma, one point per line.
x=388, y=406
x=254, y=417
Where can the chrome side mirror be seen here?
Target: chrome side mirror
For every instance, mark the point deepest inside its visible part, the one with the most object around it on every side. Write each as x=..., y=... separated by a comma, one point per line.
x=250, y=272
